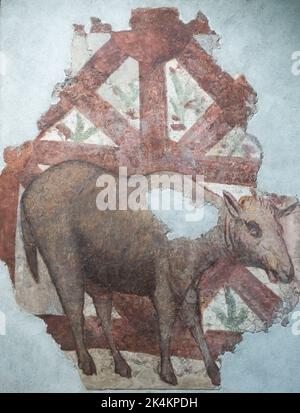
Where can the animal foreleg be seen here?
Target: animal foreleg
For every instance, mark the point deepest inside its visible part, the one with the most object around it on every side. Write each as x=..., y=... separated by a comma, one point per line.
x=190, y=315
x=103, y=304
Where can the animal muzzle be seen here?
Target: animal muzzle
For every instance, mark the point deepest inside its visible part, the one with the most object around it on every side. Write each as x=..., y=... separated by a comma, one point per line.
x=279, y=270
x=284, y=274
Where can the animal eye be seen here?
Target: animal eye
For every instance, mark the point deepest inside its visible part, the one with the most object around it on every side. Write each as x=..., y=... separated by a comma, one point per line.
x=254, y=229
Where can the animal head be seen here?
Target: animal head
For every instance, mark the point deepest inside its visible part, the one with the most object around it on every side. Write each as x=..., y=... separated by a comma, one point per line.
x=255, y=235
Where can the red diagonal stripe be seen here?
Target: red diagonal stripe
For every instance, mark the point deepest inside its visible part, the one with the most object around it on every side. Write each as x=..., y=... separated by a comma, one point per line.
x=207, y=131
x=258, y=297
x=227, y=93
x=95, y=72
x=106, y=117
x=54, y=114
x=204, y=70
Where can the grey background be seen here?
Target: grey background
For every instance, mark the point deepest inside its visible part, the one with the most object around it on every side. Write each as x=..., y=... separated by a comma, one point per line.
x=258, y=39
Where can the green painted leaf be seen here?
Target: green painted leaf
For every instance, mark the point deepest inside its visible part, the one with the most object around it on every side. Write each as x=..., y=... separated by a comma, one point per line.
x=233, y=320
x=79, y=124
x=230, y=301
x=89, y=132
x=80, y=134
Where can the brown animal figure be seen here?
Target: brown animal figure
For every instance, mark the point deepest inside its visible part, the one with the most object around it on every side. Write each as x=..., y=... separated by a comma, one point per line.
x=101, y=252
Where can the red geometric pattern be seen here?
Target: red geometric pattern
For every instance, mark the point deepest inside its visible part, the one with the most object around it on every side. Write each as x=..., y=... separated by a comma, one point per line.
x=157, y=36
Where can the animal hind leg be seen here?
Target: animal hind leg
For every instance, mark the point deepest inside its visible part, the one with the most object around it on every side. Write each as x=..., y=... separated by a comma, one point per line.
x=166, y=312
x=68, y=280
x=190, y=315
x=103, y=304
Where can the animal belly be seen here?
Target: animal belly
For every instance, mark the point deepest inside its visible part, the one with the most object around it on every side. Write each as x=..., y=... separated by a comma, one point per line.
x=122, y=275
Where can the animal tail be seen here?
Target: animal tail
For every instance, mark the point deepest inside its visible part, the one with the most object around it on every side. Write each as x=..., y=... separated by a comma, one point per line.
x=29, y=245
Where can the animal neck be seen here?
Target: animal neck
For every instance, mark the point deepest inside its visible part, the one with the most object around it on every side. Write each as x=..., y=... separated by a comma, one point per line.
x=211, y=247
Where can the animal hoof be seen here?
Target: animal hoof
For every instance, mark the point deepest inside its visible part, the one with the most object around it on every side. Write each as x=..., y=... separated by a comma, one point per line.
x=122, y=368
x=169, y=377
x=88, y=366
x=213, y=372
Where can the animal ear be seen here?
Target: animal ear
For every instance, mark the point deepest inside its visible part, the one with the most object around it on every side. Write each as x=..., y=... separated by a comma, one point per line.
x=231, y=204
x=288, y=210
